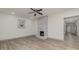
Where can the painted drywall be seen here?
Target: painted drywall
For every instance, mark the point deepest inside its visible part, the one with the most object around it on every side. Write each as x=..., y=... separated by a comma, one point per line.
x=55, y=27
x=56, y=23
x=8, y=27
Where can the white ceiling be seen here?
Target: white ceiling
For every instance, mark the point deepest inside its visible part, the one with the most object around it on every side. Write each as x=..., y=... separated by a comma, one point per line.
x=57, y=10
x=24, y=11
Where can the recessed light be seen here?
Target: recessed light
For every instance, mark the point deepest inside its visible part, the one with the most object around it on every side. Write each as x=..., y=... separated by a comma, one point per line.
x=13, y=13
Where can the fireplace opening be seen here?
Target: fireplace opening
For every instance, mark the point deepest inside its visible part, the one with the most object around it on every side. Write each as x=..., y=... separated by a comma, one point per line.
x=41, y=33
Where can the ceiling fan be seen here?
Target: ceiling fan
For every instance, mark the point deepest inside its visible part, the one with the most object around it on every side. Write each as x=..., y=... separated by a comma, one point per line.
x=36, y=11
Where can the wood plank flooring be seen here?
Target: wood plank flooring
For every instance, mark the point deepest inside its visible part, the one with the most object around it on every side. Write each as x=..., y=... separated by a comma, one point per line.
x=33, y=43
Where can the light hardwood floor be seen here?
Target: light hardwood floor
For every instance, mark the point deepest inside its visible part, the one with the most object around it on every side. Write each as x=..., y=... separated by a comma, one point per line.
x=33, y=43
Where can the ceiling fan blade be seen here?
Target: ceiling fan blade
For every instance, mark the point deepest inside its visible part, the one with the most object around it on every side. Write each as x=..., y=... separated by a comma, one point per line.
x=32, y=9
x=39, y=10
x=39, y=13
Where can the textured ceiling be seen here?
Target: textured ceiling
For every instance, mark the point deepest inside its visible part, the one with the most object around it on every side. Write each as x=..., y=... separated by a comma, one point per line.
x=24, y=11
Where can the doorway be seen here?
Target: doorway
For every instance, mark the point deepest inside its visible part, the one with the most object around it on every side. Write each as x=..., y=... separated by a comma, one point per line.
x=71, y=31
x=70, y=26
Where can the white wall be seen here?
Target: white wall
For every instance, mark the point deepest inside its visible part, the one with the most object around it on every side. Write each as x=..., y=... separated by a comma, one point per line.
x=55, y=27
x=8, y=27
x=56, y=23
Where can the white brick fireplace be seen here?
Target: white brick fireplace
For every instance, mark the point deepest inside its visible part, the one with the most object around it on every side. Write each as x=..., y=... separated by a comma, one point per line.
x=42, y=27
